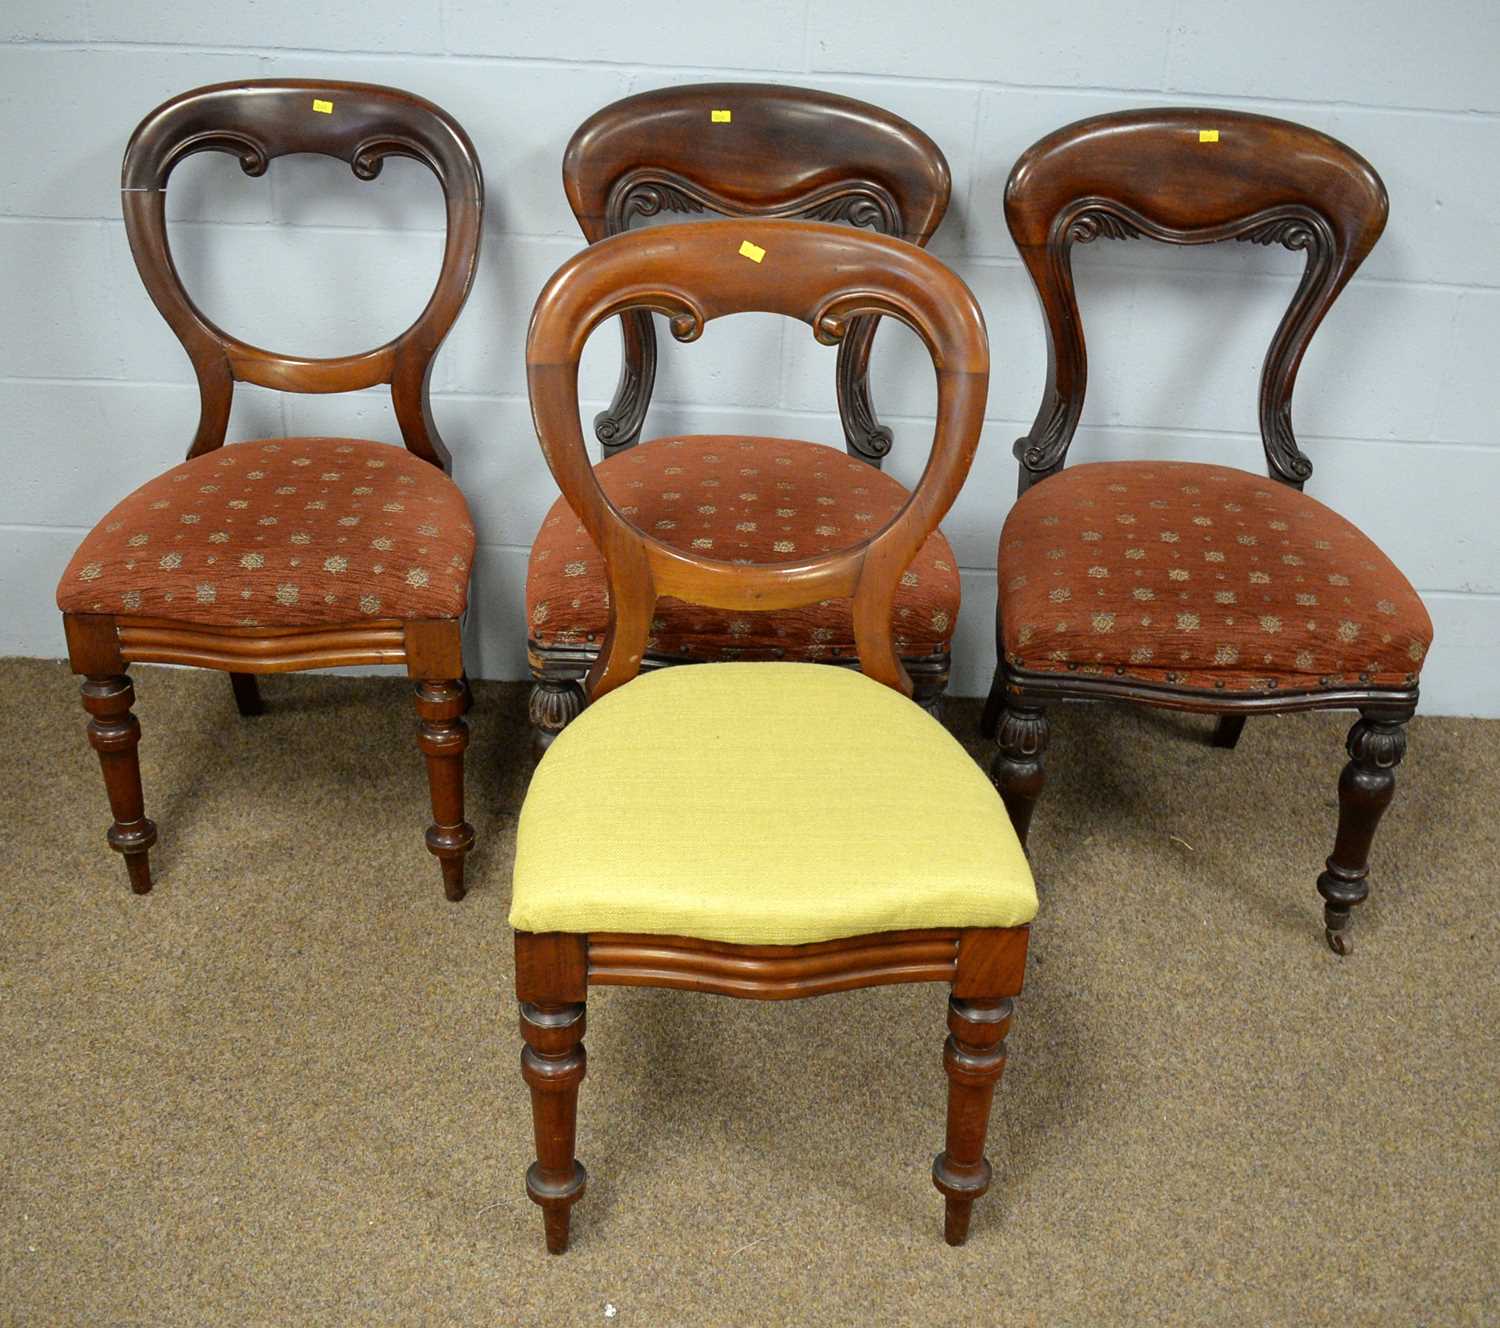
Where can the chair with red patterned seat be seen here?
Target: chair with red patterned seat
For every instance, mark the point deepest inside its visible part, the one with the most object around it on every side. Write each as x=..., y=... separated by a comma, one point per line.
x=290, y=553
x=747, y=150
x=1190, y=586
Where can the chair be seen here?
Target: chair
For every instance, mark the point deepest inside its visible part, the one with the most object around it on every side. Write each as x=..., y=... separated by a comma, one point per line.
x=749, y=150
x=294, y=553
x=1199, y=587
x=759, y=829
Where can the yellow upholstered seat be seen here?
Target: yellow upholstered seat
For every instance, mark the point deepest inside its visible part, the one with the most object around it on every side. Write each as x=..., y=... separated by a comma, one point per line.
x=763, y=804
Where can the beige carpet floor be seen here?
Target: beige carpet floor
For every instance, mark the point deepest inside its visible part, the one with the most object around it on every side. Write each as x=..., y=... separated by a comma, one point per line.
x=284, y=1088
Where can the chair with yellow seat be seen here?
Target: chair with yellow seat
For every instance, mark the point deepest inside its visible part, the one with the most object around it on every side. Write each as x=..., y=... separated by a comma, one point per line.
x=761, y=830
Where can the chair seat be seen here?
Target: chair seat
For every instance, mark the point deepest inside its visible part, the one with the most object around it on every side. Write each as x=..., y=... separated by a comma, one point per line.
x=750, y=499
x=1199, y=576
x=290, y=532
x=763, y=804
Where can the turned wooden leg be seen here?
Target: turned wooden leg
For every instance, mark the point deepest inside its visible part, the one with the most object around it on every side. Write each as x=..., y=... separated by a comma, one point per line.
x=553, y=705
x=553, y=1063
x=1017, y=770
x=247, y=694
x=443, y=736
x=116, y=734
x=1227, y=731
x=1375, y=745
x=974, y=1057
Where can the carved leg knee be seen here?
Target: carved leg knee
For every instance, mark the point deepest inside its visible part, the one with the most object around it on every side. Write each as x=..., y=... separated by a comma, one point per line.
x=1375, y=745
x=115, y=734
x=974, y=1057
x=553, y=1063
x=1017, y=770
x=247, y=694
x=553, y=705
x=442, y=735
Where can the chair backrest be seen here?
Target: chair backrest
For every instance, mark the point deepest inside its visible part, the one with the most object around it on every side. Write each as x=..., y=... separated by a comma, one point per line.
x=753, y=150
x=825, y=276
x=261, y=120
x=1188, y=176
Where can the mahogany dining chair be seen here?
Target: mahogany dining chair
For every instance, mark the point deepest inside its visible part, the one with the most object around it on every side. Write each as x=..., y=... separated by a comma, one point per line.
x=755, y=151
x=767, y=830
x=288, y=553
x=1196, y=586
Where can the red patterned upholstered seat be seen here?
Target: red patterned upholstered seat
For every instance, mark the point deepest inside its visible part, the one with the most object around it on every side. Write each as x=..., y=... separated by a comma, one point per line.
x=1201, y=576
x=745, y=499
x=294, y=532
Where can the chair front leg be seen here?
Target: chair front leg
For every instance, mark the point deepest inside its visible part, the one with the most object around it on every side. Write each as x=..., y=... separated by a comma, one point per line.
x=443, y=736
x=115, y=734
x=974, y=1057
x=1375, y=745
x=1017, y=770
x=553, y=1063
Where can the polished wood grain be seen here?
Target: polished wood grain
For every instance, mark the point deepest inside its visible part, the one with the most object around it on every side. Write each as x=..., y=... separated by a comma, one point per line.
x=827, y=277
x=1188, y=176
x=1148, y=174
x=257, y=122
x=752, y=150
x=694, y=273
x=785, y=153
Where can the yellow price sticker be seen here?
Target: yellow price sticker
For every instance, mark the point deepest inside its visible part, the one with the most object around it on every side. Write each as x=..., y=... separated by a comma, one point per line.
x=324, y=107
x=721, y=117
x=752, y=251
x=1208, y=135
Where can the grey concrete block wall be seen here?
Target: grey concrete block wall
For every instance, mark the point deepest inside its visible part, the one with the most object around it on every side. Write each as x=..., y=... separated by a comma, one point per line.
x=1398, y=400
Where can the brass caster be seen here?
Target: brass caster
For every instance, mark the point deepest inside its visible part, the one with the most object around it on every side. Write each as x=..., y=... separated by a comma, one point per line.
x=1340, y=942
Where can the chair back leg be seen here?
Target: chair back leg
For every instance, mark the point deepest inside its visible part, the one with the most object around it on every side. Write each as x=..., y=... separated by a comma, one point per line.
x=247, y=694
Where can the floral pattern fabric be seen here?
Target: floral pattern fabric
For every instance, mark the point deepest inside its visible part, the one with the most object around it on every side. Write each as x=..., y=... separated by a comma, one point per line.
x=748, y=500
x=294, y=532
x=1201, y=576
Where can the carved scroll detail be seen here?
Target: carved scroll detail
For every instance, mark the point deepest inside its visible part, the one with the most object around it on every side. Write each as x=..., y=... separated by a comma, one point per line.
x=368, y=158
x=1299, y=229
x=858, y=208
x=648, y=193
x=648, y=198
x=1088, y=226
x=253, y=155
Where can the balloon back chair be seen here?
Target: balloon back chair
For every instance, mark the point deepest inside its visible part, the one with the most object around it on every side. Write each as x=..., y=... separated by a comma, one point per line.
x=764, y=830
x=756, y=151
x=292, y=553
x=1189, y=586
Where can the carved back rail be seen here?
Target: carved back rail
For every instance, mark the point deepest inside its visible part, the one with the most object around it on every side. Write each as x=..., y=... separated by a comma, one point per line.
x=826, y=276
x=752, y=150
x=258, y=121
x=1188, y=176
